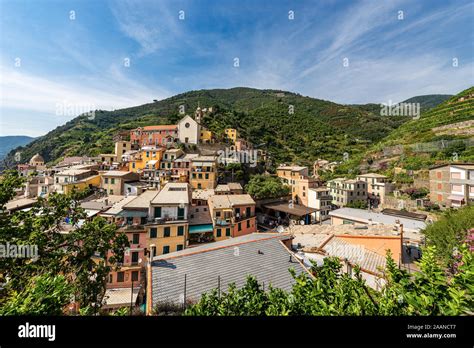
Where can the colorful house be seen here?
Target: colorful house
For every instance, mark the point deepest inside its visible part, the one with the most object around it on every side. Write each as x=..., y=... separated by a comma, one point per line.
x=161, y=135
x=203, y=172
x=146, y=154
x=168, y=226
x=232, y=215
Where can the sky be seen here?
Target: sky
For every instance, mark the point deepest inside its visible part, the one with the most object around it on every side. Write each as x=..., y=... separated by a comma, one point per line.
x=60, y=58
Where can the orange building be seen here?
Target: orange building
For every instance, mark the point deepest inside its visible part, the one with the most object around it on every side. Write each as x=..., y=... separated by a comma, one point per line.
x=154, y=135
x=232, y=215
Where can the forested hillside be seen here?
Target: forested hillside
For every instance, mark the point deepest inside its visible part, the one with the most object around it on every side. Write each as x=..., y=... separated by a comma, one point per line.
x=294, y=128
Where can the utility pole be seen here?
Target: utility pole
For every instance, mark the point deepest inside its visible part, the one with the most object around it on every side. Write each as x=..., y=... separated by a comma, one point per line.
x=131, y=299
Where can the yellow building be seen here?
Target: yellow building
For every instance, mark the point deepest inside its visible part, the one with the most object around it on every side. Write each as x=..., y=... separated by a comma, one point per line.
x=168, y=231
x=231, y=133
x=298, y=180
x=167, y=237
x=146, y=154
x=203, y=172
x=91, y=181
x=207, y=137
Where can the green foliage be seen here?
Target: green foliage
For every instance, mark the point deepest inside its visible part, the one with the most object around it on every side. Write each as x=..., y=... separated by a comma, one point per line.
x=357, y=204
x=265, y=186
x=44, y=294
x=450, y=231
x=418, y=134
x=84, y=255
x=312, y=128
x=332, y=292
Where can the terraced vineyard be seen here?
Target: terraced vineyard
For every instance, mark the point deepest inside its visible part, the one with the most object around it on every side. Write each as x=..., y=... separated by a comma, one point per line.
x=442, y=134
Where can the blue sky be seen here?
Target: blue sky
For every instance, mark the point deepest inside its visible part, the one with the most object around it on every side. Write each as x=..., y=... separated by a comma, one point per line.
x=55, y=63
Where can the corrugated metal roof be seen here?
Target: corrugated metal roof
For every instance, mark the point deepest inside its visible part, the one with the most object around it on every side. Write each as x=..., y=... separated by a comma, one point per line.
x=259, y=254
x=363, y=216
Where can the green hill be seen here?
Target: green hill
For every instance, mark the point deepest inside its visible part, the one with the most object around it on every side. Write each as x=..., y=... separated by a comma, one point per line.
x=428, y=101
x=442, y=134
x=315, y=128
x=9, y=142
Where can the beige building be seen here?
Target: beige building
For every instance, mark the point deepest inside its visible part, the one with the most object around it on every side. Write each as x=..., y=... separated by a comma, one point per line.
x=452, y=185
x=121, y=147
x=377, y=185
x=113, y=181
x=168, y=228
x=203, y=173
x=37, y=160
x=344, y=191
x=320, y=199
x=299, y=181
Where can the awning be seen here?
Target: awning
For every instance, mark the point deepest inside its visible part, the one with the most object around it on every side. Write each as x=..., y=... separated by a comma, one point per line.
x=201, y=228
x=293, y=209
x=133, y=213
x=456, y=198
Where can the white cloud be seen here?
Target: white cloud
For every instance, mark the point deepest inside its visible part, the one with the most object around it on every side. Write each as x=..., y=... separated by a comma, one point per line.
x=21, y=92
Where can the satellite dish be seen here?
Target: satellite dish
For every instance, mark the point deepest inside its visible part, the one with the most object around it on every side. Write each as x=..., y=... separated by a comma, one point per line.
x=280, y=229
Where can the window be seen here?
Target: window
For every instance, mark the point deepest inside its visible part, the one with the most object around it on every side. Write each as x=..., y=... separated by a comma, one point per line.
x=240, y=226
x=106, y=180
x=136, y=238
x=455, y=175
x=456, y=188
x=134, y=257
x=237, y=211
x=438, y=175
x=248, y=223
x=180, y=213
x=471, y=189
x=180, y=230
x=167, y=232
x=440, y=186
x=218, y=232
x=120, y=277
x=111, y=192
x=153, y=232
x=157, y=212
x=111, y=278
x=218, y=214
x=248, y=211
x=179, y=247
x=227, y=232
x=207, y=176
x=166, y=249
x=135, y=276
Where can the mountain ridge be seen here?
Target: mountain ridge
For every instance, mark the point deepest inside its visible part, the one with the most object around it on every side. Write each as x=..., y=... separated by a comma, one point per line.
x=316, y=128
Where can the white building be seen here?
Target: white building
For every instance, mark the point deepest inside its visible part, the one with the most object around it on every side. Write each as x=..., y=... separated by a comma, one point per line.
x=319, y=199
x=377, y=185
x=189, y=130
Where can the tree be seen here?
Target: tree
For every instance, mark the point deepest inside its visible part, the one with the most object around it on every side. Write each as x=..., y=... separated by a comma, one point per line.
x=265, y=186
x=358, y=204
x=450, y=232
x=331, y=292
x=84, y=254
x=43, y=294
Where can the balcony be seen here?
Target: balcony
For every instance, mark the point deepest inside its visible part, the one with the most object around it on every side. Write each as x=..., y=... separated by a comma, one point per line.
x=133, y=227
x=242, y=218
x=222, y=222
x=164, y=220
